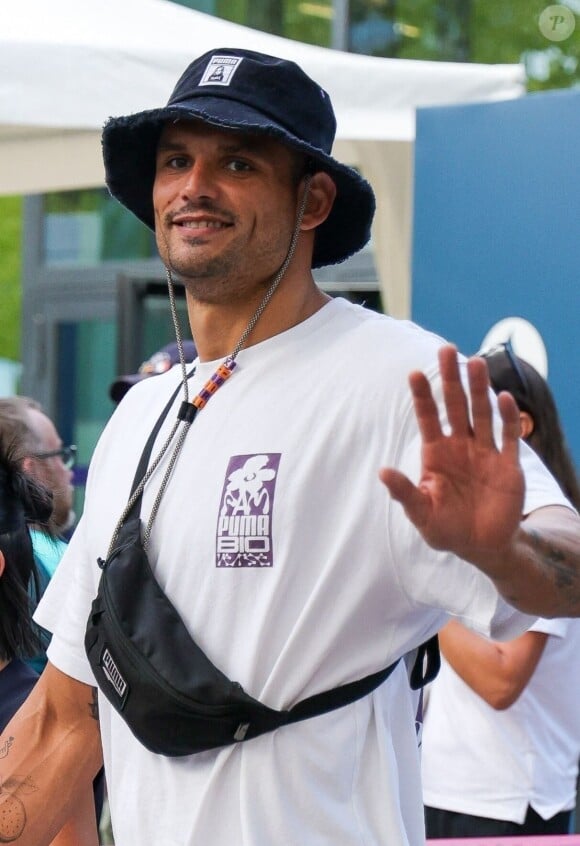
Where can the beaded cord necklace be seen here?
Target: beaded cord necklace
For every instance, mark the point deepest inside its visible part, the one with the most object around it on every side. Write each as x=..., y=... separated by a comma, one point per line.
x=189, y=409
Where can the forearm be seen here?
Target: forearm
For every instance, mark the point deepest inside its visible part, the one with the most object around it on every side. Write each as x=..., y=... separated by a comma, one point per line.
x=477, y=661
x=82, y=828
x=497, y=672
x=540, y=572
x=49, y=755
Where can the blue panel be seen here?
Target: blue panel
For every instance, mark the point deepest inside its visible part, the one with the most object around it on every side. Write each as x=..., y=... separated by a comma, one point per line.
x=497, y=228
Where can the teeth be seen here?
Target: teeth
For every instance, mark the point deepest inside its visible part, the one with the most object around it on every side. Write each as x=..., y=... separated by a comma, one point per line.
x=202, y=224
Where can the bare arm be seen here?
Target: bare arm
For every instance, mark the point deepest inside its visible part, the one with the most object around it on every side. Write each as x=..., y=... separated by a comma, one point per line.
x=81, y=830
x=540, y=571
x=50, y=753
x=469, y=498
x=498, y=672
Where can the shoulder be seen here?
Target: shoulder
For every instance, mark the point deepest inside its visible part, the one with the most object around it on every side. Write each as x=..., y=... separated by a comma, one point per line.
x=403, y=339
x=378, y=348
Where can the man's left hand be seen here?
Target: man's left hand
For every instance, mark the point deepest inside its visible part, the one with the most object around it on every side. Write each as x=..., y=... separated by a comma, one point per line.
x=470, y=495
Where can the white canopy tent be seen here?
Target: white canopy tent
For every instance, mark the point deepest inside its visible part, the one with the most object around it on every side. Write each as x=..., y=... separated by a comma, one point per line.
x=67, y=65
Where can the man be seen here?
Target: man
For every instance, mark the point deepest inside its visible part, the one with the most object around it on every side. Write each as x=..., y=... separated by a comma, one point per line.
x=41, y=452
x=266, y=527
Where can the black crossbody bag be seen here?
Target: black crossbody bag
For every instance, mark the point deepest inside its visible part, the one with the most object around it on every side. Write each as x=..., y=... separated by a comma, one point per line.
x=172, y=697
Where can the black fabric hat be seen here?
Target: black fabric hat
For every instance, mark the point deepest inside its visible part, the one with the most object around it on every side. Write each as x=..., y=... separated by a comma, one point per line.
x=249, y=92
x=160, y=362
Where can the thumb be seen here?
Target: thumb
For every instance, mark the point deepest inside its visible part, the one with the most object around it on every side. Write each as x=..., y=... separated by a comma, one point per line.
x=415, y=502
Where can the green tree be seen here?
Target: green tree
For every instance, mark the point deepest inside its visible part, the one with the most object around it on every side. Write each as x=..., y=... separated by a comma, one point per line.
x=486, y=31
x=10, y=273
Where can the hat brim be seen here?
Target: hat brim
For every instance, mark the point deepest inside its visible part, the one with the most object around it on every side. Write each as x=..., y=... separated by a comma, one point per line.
x=130, y=147
x=123, y=384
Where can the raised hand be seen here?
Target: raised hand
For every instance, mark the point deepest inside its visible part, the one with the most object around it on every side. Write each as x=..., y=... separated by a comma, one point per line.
x=470, y=495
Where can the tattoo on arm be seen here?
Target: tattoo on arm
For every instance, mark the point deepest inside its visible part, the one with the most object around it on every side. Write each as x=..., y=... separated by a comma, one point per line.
x=5, y=748
x=12, y=810
x=565, y=571
x=94, y=705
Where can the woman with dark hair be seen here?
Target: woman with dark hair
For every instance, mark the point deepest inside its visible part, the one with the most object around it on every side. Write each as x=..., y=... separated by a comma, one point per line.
x=501, y=738
x=539, y=419
x=22, y=501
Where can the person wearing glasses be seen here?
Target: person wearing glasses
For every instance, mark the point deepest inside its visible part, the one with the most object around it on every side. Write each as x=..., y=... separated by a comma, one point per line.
x=501, y=738
x=23, y=501
x=42, y=455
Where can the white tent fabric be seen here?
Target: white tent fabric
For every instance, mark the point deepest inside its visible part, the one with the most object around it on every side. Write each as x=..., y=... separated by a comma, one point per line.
x=67, y=65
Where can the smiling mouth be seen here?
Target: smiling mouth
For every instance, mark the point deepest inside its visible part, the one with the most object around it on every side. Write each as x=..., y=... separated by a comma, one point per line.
x=201, y=224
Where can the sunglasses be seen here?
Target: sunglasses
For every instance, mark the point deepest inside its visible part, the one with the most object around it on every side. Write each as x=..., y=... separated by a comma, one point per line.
x=67, y=455
x=507, y=350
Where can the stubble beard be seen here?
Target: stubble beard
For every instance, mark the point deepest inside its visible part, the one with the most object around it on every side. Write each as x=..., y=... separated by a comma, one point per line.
x=222, y=279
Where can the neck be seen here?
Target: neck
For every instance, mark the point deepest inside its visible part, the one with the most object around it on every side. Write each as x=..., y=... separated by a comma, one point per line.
x=217, y=328
x=3, y=664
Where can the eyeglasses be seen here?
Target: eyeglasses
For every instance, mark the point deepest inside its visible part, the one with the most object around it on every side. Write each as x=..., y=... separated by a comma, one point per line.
x=68, y=455
x=507, y=349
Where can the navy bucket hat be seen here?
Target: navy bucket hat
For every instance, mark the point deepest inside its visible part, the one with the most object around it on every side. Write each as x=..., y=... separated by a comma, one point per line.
x=249, y=92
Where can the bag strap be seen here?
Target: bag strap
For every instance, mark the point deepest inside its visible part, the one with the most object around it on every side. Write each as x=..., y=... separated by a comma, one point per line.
x=427, y=663
x=329, y=700
x=148, y=448
x=425, y=668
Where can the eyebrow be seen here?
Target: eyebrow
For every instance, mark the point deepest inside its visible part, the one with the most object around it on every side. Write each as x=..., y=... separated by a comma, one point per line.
x=247, y=143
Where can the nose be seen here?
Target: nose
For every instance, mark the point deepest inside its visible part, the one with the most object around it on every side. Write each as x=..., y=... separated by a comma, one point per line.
x=199, y=181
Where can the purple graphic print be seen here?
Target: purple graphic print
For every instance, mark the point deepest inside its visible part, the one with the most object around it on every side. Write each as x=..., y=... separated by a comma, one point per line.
x=244, y=534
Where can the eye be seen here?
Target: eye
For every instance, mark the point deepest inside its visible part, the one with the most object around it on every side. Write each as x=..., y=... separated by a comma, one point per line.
x=173, y=161
x=177, y=162
x=239, y=166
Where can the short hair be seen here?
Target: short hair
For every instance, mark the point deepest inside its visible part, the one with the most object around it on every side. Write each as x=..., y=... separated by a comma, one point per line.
x=15, y=430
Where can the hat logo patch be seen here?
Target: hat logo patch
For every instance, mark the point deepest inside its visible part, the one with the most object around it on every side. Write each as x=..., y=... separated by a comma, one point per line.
x=220, y=70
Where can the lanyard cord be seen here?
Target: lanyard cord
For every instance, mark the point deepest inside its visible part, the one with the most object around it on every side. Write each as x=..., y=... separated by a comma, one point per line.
x=189, y=410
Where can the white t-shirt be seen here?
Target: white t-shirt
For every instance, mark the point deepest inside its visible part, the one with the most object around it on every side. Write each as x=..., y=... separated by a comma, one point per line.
x=488, y=763
x=295, y=572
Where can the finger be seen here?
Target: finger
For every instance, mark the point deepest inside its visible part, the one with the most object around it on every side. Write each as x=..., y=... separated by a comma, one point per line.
x=453, y=392
x=481, y=407
x=415, y=503
x=426, y=410
x=510, y=415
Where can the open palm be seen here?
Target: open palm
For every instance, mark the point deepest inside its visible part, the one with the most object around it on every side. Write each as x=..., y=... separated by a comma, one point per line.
x=469, y=498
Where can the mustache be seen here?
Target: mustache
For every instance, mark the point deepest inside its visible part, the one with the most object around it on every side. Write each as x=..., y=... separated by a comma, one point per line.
x=202, y=205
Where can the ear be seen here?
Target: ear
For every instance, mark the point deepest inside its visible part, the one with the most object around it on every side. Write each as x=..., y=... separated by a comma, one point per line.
x=2, y=563
x=28, y=465
x=526, y=425
x=321, y=196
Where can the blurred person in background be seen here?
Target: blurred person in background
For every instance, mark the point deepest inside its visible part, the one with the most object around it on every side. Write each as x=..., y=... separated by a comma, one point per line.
x=40, y=453
x=160, y=362
x=501, y=738
x=22, y=502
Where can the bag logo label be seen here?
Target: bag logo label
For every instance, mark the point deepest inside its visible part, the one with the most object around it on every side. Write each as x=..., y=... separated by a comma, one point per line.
x=113, y=673
x=220, y=70
x=244, y=532
x=241, y=732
